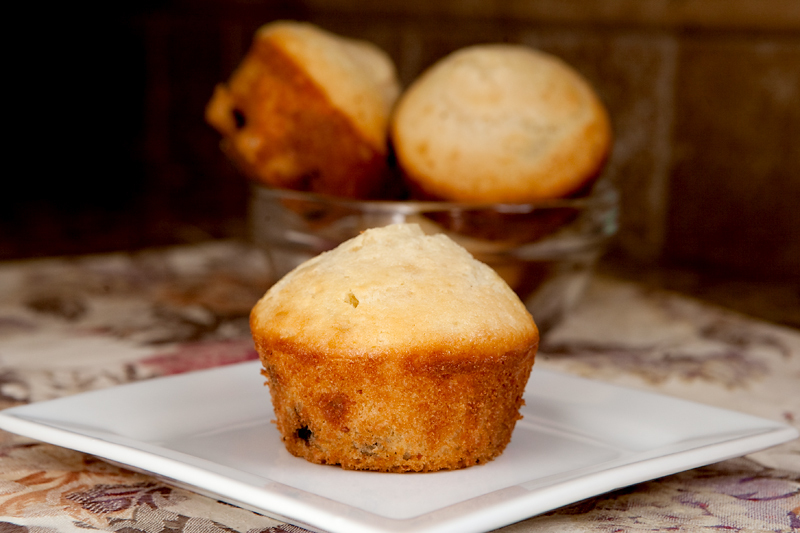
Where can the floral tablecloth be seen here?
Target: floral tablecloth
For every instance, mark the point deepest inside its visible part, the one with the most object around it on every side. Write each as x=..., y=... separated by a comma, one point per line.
x=73, y=325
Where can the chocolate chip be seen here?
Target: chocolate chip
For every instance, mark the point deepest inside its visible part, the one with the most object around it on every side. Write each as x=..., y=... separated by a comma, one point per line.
x=238, y=117
x=304, y=434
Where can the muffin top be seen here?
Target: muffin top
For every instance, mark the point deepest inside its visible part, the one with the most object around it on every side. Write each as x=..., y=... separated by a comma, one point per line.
x=358, y=77
x=394, y=290
x=500, y=123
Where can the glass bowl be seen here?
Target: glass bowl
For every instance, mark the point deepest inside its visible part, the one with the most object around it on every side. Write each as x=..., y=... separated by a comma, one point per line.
x=546, y=251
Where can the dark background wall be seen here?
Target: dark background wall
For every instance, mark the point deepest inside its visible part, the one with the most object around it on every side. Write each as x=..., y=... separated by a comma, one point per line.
x=113, y=152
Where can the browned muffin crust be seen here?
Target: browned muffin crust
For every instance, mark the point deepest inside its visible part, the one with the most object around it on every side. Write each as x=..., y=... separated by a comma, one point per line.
x=356, y=412
x=281, y=129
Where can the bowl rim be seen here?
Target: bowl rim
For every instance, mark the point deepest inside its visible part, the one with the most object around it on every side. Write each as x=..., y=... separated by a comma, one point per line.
x=603, y=194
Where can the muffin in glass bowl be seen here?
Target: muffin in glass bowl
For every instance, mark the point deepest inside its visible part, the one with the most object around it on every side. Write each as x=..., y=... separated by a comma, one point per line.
x=546, y=251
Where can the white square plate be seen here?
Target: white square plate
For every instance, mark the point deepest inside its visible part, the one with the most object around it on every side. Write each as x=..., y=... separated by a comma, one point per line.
x=210, y=431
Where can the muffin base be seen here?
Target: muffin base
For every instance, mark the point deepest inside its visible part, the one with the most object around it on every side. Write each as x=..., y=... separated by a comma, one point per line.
x=395, y=412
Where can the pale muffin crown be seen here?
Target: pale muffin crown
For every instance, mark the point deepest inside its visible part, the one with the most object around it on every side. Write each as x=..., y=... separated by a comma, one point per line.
x=500, y=123
x=392, y=290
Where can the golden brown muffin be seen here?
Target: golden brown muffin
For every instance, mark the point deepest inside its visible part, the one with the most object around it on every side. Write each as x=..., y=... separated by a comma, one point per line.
x=500, y=123
x=395, y=352
x=308, y=110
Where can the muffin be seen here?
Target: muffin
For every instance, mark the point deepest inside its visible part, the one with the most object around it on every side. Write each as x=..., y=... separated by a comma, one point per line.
x=396, y=351
x=500, y=123
x=308, y=110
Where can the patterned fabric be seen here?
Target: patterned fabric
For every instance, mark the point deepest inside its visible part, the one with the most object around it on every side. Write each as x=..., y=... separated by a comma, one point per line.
x=68, y=326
